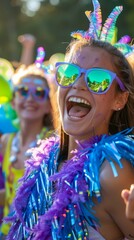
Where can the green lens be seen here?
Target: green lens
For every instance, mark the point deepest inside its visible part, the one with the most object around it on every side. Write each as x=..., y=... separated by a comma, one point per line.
x=98, y=80
x=40, y=93
x=67, y=74
x=23, y=91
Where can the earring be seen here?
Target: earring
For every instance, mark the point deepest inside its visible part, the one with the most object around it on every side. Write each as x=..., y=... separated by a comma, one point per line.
x=118, y=109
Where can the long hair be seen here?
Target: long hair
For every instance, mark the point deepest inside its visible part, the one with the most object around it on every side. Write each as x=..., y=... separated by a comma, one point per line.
x=124, y=118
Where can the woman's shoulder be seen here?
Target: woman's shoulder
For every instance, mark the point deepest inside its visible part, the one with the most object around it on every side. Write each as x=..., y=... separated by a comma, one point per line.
x=4, y=141
x=124, y=173
x=117, y=167
x=112, y=148
x=5, y=137
x=118, y=146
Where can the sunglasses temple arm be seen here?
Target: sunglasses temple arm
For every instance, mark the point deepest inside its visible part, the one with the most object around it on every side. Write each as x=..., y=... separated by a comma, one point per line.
x=122, y=87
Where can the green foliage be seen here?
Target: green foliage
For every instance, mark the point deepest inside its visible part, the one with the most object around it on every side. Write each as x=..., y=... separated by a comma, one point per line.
x=51, y=25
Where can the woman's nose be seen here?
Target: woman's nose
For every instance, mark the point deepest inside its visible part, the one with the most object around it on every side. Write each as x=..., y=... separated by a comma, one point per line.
x=30, y=96
x=80, y=83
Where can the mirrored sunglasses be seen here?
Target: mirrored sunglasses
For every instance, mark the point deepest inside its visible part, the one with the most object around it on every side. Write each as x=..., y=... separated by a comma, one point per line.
x=38, y=93
x=98, y=80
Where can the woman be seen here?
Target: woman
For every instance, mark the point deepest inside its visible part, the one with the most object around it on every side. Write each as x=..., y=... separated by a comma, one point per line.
x=73, y=182
x=33, y=106
x=93, y=113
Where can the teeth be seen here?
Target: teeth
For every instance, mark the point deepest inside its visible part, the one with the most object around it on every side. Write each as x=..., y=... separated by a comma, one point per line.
x=78, y=100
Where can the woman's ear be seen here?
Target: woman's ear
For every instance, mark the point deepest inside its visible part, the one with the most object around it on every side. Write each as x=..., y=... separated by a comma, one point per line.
x=120, y=101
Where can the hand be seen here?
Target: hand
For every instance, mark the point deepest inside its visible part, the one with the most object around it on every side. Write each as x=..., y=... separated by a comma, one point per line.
x=128, y=197
x=27, y=40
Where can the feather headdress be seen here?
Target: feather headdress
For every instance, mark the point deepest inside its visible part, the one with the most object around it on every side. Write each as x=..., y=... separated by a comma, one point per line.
x=104, y=32
x=39, y=61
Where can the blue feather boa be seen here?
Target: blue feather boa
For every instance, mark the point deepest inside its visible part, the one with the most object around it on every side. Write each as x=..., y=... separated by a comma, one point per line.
x=53, y=205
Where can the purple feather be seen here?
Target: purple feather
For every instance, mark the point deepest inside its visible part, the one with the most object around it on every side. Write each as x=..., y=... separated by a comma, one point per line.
x=125, y=39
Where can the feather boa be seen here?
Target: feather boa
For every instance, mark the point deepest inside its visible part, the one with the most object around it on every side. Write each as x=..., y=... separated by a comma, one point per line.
x=64, y=212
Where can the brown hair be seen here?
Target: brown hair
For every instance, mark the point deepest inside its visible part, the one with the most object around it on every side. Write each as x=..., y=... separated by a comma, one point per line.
x=130, y=59
x=124, y=118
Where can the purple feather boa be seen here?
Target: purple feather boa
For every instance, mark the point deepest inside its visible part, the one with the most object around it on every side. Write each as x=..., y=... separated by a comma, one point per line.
x=39, y=154
x=62, y=198
x=65, y=193
x=72, y=172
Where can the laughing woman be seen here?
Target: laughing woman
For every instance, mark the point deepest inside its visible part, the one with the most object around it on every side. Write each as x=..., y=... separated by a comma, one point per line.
x=73, y=182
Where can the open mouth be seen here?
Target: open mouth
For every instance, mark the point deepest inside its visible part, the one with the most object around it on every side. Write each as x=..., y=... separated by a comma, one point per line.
x=30, y=108
x=78, y=107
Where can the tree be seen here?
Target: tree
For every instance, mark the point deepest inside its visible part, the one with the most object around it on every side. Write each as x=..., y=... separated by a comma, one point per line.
x=52, y=24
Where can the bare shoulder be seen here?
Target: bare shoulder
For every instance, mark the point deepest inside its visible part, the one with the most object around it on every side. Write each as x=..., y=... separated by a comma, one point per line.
x=124, y=175
x=111, y=210
x=4, y=138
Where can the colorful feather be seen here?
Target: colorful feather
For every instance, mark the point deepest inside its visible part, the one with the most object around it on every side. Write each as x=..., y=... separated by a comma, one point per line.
x=125, y=39
x=109, y=26
x=40, y=56
x=95, y=19
x=124, y=48
x=41, y=53
x=78, y=35
x=105, y=33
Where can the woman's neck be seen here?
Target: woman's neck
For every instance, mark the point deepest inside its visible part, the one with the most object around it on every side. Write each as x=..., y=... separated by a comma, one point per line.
x=72, y=146
x=29, y=131
x=73, y=142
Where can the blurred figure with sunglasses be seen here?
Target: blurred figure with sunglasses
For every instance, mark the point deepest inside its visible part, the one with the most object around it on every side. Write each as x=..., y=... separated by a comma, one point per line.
x=73, y=182
x=33, y=105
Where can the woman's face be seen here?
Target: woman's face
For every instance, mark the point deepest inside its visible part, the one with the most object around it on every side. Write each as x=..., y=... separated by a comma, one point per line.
x=93, y=117
x=31, y=106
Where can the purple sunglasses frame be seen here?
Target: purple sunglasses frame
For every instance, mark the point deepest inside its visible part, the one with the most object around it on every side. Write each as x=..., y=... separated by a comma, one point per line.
x=32, y=92
x=86, y=71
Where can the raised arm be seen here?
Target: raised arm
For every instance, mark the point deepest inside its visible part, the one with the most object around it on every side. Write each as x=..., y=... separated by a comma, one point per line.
x=28, y=43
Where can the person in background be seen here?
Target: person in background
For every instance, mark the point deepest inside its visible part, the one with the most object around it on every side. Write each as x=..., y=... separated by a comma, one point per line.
x=32, y=102
x=72, y=186
x=27, y=42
